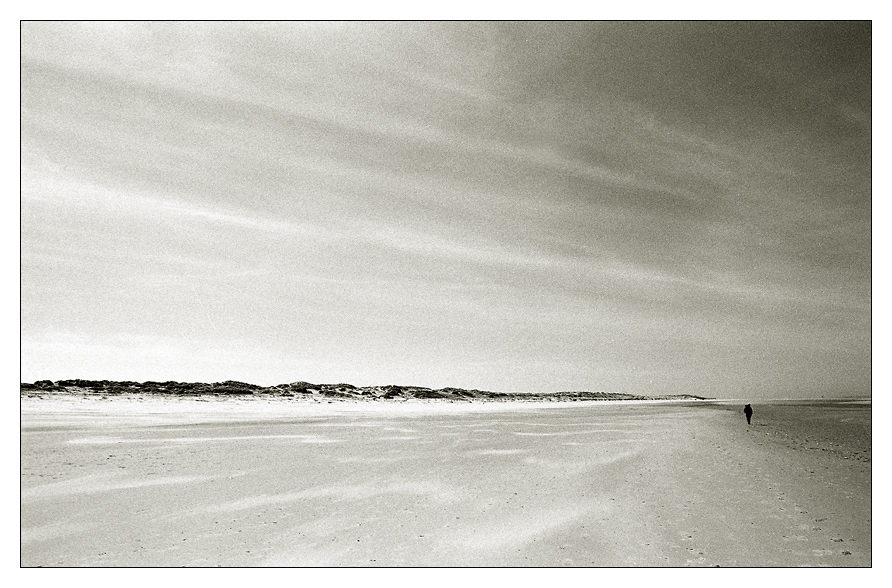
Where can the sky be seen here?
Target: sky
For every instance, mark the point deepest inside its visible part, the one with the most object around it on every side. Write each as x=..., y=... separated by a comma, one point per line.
x=644, y=208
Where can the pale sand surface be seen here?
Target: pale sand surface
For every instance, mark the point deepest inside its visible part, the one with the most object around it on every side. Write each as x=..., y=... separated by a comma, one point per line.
x=165, y=482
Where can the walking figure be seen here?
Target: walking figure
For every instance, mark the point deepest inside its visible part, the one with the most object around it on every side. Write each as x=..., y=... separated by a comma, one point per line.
x=748, y=411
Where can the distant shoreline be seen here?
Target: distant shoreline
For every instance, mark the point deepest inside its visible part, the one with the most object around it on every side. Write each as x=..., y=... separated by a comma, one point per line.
x=306, y=390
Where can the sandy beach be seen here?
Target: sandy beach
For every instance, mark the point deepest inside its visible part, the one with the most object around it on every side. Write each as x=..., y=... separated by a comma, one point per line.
x=135, y=481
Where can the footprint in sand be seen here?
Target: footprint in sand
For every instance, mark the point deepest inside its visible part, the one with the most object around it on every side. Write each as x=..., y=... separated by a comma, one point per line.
x=795, y=538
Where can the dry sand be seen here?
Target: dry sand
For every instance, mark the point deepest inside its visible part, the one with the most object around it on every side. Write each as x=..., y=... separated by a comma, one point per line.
x=154, y=482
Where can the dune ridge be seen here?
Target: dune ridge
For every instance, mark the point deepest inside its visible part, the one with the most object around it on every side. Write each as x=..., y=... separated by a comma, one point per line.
x=300, y=389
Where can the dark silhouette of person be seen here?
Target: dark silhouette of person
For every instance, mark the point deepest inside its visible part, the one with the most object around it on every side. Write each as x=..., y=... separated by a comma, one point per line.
x=748, y=411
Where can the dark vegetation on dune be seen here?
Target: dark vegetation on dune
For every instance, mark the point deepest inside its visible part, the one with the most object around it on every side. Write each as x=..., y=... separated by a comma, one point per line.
x=308, y=390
